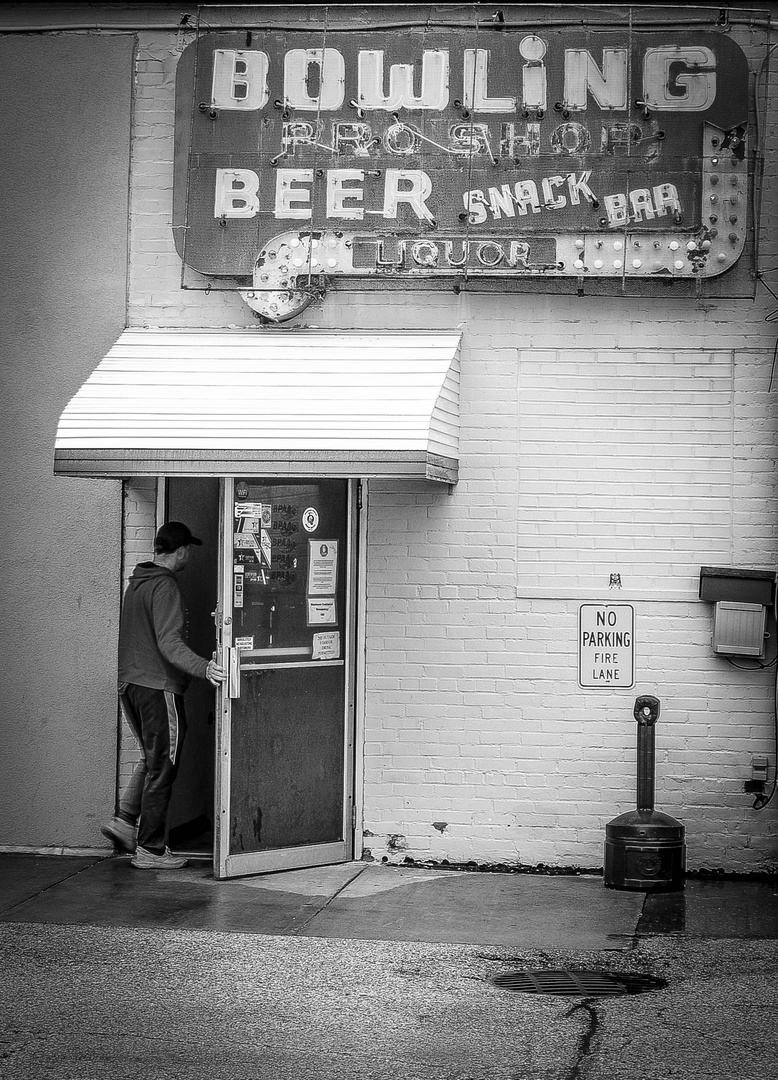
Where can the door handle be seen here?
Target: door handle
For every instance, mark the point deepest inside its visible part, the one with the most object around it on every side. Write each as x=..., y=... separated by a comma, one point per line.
x=233, y=673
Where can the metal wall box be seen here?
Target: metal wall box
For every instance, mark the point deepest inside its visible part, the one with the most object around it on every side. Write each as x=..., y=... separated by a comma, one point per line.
x=741, y=586
x=739, y=629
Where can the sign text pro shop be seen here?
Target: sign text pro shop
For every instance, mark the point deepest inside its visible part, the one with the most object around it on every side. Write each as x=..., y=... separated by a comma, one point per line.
x=606, y=646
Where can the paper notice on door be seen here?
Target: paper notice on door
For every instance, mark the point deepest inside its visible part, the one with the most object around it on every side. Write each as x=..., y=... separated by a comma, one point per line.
x=322, y=612
x=244, y=642
x=322, y=567
x=326, y=646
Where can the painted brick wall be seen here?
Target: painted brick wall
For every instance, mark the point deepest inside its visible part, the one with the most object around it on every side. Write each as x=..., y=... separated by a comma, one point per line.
x=626, y=461
x=599, y=435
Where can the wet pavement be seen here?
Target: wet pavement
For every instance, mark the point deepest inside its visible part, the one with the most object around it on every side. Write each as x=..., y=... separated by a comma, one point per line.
x=374, y=972
x=378, y=902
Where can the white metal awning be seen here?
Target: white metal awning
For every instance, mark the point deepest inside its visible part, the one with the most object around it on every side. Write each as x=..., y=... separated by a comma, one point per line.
x=271, y=403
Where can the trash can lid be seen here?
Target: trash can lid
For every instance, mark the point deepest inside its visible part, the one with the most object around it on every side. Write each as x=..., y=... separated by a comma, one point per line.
x=645, y=823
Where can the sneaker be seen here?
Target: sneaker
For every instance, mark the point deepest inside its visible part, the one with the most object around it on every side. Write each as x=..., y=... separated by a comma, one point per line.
x=147, y=860
x=123, y=835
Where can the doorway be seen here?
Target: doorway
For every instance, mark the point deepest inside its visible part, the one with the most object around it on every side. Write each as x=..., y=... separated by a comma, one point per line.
x=195, y=501
x=267, y=769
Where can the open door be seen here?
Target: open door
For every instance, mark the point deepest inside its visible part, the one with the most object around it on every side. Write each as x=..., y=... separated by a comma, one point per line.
x=285, y=719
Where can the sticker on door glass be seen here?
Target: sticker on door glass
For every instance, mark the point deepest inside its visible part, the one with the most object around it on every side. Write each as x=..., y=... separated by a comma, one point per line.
x=322, y=567
x=326, y=646
x=286, y=511
x=322, y=612
x=310, y=519
x=237, y=587
x=263, y=548
x=244, y=643
x=260, y=512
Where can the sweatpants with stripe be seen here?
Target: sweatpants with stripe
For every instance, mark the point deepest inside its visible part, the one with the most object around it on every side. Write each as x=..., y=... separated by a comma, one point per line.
x=156, y=719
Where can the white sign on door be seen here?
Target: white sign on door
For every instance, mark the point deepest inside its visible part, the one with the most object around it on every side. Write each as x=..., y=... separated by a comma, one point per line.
x=322, y=567
x=606, y=646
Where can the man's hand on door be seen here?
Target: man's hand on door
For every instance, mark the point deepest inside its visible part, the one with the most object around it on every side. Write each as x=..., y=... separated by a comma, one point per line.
x=214, y=673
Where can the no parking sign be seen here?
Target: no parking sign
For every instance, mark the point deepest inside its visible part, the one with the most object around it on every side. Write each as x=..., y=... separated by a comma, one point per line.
x=606, y=646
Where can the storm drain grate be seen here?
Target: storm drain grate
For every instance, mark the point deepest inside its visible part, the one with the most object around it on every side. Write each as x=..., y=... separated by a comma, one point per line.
x=572, y=983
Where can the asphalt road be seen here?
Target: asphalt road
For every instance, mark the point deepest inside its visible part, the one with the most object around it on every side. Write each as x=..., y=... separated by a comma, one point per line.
x=84, y=1002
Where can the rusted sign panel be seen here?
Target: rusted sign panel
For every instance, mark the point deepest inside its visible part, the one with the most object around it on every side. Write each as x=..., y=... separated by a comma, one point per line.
x=558, y=152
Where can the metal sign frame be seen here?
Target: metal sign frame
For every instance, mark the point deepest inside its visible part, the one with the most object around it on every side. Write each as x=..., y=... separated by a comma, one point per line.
x=607, y=641
x=451, y=154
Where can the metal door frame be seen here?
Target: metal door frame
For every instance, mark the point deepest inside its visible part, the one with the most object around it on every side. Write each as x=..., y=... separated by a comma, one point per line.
x=224, y=864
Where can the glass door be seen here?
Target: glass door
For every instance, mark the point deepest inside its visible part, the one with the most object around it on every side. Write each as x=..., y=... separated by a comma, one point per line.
x=284, y=747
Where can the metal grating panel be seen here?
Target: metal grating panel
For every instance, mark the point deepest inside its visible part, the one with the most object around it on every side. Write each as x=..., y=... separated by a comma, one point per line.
x=572, y=983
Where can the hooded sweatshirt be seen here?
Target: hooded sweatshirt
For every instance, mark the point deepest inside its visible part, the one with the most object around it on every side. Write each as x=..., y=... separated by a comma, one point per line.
x=152, y=649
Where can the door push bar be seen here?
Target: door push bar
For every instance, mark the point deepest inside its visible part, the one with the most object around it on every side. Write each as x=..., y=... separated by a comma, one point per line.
x=233, y=672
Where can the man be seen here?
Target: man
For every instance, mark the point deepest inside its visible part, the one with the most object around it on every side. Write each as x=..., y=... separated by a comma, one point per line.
x=155, y=665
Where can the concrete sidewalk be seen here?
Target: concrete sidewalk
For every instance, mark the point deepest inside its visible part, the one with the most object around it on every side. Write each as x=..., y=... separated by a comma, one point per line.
x=379, y=902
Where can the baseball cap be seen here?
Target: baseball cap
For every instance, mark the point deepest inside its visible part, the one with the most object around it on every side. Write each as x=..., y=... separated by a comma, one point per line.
x=173, y=535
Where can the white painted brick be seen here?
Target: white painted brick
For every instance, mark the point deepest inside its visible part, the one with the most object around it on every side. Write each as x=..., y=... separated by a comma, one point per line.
x=591, y=443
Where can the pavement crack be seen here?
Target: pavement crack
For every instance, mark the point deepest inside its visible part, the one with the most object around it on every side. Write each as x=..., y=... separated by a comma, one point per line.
x=303, y=926
x=53, y=885
x=583, y=1050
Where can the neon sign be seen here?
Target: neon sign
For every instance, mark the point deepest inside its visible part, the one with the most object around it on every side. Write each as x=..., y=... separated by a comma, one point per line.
x=558, y=153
